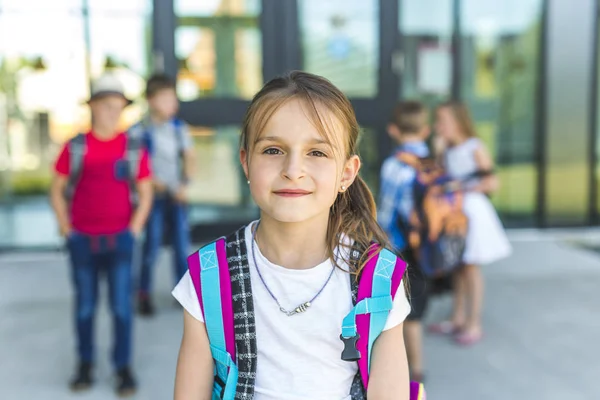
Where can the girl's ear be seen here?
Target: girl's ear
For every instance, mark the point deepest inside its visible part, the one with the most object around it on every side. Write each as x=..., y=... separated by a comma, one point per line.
x=244, y=161
x=351, y=168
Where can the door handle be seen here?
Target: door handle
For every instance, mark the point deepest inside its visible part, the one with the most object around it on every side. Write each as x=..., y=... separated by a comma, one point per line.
x=398, y=62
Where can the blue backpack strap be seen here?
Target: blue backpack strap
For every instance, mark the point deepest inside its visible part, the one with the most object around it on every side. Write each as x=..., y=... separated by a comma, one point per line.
x=77, y=150
x=179, y=125
x=210, y=273
x=381, y=296
x=141, y=131
x=133, y=155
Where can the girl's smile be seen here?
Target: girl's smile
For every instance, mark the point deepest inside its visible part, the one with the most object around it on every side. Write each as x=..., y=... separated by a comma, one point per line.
x=292, y=192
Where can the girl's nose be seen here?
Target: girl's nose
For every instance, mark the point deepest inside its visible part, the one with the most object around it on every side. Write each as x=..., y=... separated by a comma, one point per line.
x=293, y=167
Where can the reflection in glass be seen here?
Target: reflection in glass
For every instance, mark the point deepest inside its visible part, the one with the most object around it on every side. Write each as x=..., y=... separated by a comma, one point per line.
x=499, y=61
x=39, y=5
x=42, y=83
x=369, y=155
x=218, y=177
x=44, y=78
x=426, y=30
x=340, y=41
x=217, y=7
x=219, y=47
x=120, y=35
x=597, y=150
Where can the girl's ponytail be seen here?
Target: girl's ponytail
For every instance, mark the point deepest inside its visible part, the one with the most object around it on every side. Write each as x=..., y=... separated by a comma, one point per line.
x=354, y=213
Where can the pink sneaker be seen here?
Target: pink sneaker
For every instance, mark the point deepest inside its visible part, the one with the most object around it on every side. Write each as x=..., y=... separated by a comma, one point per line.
x=443, y=328
x=468, y=339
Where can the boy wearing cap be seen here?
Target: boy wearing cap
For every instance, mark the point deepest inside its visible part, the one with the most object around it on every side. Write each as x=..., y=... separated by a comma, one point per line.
x=171, y=151
x=102, y=194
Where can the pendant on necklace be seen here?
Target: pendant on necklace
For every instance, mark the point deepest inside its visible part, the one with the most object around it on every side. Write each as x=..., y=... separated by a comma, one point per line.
x=298, y=310
x=302, y=307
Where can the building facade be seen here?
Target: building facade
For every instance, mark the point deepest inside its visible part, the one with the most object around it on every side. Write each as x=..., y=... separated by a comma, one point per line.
x=528, y=70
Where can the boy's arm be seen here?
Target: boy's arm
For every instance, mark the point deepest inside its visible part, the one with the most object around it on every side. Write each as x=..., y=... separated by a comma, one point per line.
x=394, y=183
x=194, y=378
x=140, y=215
x=60, y=180
x=145, y=195
x=59, y=203
x=189, y=164
x=189, y=158
x=388, y=378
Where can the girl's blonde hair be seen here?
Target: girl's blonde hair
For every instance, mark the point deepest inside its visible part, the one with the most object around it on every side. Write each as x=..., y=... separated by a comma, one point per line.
x=461, y=114
x=353, y=213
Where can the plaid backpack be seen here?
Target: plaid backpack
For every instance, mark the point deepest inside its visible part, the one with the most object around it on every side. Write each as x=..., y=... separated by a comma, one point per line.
x=221, y=276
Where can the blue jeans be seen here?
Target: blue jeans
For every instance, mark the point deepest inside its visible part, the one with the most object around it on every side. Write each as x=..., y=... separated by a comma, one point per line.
x=90, y=257
x=165, y=208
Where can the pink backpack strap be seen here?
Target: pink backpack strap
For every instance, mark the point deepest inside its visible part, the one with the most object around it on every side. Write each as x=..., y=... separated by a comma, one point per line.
x=378, y=285
x=363, y=321
x=214, y=255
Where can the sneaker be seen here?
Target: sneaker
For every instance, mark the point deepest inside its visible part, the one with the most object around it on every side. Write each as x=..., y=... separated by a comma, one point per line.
x=145, y=306
x=83, y=378
x=126, y=384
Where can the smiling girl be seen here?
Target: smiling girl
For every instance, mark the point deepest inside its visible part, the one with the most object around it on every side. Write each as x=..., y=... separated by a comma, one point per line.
x=299, y=153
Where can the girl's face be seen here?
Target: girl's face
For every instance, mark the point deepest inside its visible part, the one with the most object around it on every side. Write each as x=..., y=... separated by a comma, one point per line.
x=295, y=173
x=447, y=127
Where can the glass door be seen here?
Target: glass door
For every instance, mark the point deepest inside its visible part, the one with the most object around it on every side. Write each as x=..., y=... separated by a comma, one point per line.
x=349, y=42
x=500, y=58
x=425, y=51
x=219, y=58
x=221, y=52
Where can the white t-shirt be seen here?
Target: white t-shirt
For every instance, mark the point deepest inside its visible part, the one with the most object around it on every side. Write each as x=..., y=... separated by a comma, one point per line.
x=299, y=357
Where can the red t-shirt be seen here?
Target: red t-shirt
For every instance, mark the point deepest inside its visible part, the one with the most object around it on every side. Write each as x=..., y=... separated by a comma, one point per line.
x=101, y=203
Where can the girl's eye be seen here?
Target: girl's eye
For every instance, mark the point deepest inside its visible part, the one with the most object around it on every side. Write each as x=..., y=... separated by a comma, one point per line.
x=272, y=151
x=317, y=153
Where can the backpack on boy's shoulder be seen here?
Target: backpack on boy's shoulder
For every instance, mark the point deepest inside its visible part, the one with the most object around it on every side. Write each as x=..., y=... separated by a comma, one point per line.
x=221, y=276
x=439, y=238
x=77, y=148
x=143, y=130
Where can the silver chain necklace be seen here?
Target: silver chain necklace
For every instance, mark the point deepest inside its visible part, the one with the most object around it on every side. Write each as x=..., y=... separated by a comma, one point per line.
x=301, y=307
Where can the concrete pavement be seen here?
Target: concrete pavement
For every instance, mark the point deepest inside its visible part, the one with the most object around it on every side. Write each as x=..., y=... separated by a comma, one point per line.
x=542, y=324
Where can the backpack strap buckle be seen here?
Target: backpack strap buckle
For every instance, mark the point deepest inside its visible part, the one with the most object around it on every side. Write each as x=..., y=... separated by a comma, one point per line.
x=350, y=334
x=350, y=352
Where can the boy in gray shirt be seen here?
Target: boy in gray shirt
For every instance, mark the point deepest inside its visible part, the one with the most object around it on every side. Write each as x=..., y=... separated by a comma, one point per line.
x=171, y=151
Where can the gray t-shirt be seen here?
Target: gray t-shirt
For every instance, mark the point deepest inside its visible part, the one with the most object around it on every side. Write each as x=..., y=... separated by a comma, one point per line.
x=167, y=148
